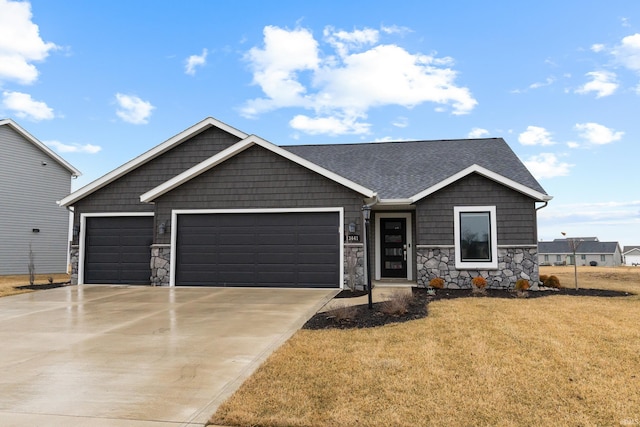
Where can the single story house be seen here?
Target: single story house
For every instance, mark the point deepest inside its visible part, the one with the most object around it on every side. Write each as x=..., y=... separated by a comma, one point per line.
x=631, y=255
x=215, y=206
x=34, y=230
x=589, y=250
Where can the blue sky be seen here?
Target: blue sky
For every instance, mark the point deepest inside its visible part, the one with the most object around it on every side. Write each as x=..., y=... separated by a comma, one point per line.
x=103, y=81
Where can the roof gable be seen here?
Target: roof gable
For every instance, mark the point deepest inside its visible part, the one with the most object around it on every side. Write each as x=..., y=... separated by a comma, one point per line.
x=631, y=250
x=239, y=147
x=402, y=171
x=487, y=174
x=148, y=156
x=33, y=140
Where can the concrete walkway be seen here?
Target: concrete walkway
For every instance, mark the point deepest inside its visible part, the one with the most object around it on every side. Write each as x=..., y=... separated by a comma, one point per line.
x=138, y=356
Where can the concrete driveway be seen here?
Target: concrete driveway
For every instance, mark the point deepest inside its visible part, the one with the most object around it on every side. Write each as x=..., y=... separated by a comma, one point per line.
x=137, y=356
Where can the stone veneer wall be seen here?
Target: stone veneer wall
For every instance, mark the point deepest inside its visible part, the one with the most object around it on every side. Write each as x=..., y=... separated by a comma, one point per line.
x=354, y=266
x=74, y=258
x=160, y=264
x=513, y=263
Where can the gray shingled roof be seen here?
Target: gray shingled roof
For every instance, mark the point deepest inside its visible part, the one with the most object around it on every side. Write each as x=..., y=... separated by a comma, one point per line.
x=587, y=247
x=400, y=170
x=630, y=248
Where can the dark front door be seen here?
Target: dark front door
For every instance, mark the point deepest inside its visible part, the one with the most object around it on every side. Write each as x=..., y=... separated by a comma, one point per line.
x=393, y=251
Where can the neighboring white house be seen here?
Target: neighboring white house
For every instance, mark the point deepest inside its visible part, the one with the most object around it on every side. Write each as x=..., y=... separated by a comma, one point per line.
x=590, y=251
x=631, y=255
x=32, y=179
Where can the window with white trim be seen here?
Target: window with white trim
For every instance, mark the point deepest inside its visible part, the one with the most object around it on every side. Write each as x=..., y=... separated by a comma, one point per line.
x=476, y=237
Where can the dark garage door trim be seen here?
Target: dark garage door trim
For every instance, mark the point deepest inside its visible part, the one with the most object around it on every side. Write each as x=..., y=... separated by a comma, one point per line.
x=83, y=237
x=176, y=213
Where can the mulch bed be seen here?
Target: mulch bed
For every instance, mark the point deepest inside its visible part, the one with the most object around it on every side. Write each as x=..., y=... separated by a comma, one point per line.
x=360, y=316
x=43, y=286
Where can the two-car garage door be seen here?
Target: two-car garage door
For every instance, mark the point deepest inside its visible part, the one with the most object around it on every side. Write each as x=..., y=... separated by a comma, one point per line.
x=278, y=249
x=292, y=249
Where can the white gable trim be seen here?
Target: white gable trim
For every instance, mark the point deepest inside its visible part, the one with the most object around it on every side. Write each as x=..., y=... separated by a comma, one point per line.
x=26, y=135
x=631, y=251
x=487, y=174
x=237, y=148
x=145, y=157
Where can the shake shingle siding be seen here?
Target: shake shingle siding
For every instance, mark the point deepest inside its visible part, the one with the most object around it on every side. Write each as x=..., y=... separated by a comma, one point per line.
x=259, y=179
x=516, y=215
x=123, y=194
x=29, y=190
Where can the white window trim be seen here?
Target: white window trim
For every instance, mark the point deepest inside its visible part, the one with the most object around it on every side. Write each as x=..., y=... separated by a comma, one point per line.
x=465, y=265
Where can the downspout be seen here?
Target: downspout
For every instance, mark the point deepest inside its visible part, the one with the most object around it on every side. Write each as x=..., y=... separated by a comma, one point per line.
x=543, y=206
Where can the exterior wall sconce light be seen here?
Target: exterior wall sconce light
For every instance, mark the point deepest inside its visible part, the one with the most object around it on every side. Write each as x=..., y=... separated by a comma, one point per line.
x=76, y=230
x=163, y=227
x=366, y=213
x=352, y=227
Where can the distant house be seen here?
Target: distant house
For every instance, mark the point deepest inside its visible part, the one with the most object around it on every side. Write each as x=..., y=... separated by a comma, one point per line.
x=215, y=206
x=631, y=255
x=32, y=179
x=589, y=251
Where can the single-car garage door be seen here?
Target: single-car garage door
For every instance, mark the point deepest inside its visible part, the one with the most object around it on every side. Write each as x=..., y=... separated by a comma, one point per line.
x=293, y=249
x=117, y=250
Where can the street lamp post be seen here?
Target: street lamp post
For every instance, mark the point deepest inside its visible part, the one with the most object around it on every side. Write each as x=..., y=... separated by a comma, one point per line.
x=366, y=213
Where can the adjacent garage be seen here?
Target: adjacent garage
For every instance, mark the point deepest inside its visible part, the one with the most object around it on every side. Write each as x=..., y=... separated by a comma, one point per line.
x=261, y=249
x=116, y=249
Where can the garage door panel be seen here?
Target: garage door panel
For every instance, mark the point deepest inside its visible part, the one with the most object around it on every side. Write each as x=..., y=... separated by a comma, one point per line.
x=258, y=249
x=116, y=249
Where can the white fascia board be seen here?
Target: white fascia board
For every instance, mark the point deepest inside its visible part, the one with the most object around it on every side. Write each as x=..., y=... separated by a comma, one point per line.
x=631, y=251
x=145, y=157
x=196, y=170
x=487, y=174
x=240, y=146
x=315, y=168
x=74, y=172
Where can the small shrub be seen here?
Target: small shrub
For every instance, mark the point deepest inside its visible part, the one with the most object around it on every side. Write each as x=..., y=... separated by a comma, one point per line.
x=479, y=282
x=522, y=285
x=543, y=277
x=552, y=282
x=436, y=283
x=397, y=305
x=50, y=280
x=343, y=312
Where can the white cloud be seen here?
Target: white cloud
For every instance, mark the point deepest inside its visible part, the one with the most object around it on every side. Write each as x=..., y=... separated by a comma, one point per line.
x=73, y=148
x=26, y=107
x=195, y=61
x=535, y=135
x=628, y=52
x=548, y=81
x=20, y=43
x=401, y=122
x=329, y=125
x=598, y=134
x=477, y=133
x=292, y=71
x=132, y=109
x=573, y=144
x=603, y=83
x=547, y=165
x=598, y=47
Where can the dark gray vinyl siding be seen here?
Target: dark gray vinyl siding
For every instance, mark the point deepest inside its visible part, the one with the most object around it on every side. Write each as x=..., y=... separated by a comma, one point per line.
x=516, y=214
x=123, y=194
x=258, y=178
x=28, y=194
